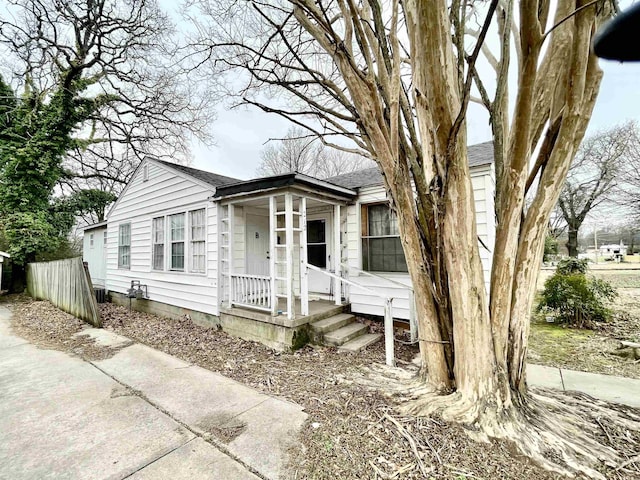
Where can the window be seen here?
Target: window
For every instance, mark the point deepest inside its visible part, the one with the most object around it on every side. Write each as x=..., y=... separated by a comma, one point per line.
x=145, y=172
x=197, y=241
x=104, y=238
x=157, y=240
x=91, y=240
x=381, y=246
x=124, y=246
x=176, y=225
x=317, y=243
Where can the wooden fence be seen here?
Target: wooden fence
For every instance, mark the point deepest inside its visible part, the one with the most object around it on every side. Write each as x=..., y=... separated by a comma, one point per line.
x=66, y=284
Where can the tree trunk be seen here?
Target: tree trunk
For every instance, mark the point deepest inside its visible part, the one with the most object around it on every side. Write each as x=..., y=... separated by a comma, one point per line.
x=572, y=242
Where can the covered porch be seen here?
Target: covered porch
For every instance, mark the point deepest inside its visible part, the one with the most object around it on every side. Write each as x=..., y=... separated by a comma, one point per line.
x=282, y=244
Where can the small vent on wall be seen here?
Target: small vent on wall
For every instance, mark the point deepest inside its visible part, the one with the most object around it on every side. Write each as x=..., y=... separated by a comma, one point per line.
x=145, y=173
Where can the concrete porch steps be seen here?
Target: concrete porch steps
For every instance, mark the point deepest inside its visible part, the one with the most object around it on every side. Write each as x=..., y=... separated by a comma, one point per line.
x=344, y=332
x=361, y=342
x=332, y=323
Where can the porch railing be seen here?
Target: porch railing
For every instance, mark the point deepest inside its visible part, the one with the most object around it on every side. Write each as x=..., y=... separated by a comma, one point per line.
x=253, y=291
x=388, y=318
x=413, y=322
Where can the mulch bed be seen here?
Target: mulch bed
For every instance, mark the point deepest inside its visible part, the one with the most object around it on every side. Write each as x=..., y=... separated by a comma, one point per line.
x=353, y=432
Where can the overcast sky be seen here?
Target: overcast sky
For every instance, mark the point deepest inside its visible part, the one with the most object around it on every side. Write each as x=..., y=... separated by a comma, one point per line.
x=241, y=134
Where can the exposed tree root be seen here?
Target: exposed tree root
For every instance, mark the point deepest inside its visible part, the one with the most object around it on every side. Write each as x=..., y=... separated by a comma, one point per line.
x=562, y=432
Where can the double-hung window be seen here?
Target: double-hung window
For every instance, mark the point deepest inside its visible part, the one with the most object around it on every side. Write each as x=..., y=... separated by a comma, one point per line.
x=124, y=245
x=176, y=227
x=381, y=246
x=197, y=249
x=158, y=243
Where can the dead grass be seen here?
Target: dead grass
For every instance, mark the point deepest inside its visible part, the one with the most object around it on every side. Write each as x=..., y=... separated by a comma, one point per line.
x=353, y=432
x=593, y=350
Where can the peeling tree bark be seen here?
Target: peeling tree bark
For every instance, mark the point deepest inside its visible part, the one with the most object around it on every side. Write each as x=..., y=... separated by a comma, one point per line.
x=407, y=102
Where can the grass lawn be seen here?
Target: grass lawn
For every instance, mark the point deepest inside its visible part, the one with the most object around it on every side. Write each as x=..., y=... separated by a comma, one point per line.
x=592, y=350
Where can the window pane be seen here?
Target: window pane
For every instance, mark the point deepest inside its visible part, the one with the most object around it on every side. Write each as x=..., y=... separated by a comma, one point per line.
x=317, y=255
x=177, y=227
x=177, y=256
x=198, y=257
x=197, y=222
x=158, y=256
x=124, y=243
x=316, y=231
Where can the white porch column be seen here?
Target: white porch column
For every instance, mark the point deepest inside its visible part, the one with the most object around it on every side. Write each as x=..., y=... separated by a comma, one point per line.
x=232, y=217
x=273, y=252
x=304, y=271
x=288, y=223
x=337, y=255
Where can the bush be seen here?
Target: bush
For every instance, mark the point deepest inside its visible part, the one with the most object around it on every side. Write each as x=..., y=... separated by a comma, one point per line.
x=575, y=298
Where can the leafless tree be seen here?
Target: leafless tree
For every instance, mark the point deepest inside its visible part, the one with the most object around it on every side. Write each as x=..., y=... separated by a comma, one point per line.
x=594, y=174
x=395, y=78
x=303, y=153
x=117, y=60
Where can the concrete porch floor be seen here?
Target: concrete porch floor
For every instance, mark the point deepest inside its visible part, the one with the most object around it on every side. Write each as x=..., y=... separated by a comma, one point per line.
x=318, y=310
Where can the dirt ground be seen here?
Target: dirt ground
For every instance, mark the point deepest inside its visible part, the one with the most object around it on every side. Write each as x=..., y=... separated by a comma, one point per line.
x=594, y=350
x=353, y=432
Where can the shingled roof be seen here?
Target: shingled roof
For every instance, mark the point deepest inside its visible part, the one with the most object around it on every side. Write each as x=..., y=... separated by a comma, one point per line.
x=212, y=179
x=479, y=154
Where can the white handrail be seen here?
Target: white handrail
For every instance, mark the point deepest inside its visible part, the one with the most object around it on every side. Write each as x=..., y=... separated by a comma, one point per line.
x=369, y=274
x=413, y=324
x=388, y=317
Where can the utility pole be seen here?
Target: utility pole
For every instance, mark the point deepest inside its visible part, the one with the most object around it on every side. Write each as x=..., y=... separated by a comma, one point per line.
x=595, y=239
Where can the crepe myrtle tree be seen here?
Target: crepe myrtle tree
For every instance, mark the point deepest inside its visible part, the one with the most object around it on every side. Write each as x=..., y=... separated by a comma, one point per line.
x=396, y=78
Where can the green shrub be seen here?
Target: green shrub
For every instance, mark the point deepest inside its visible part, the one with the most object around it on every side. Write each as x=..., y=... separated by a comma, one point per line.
x=574, y=297
x=568, y=266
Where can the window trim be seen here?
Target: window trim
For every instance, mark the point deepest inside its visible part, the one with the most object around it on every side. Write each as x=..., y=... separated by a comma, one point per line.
x=154, y=243
x=190, y=252
x=364, y=235
x=171, y=242
x=121, y=246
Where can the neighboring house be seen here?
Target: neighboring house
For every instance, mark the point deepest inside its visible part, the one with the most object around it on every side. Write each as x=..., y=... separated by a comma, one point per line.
x=264, y=258
x=94, y=252
x=3, y=255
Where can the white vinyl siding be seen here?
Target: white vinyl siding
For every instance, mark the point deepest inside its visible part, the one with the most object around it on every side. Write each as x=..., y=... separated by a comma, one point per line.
x=124, y=245
x=176, y=237
x=95, y=255
x=157, y=234
x=197, y=245
x=166, y=193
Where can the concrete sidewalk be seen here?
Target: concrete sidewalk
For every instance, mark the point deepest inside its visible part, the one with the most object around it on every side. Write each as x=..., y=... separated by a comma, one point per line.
x=139, y=414
x=605, y=387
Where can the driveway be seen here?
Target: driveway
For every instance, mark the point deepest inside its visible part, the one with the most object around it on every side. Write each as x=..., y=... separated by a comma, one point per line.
x=139, y=414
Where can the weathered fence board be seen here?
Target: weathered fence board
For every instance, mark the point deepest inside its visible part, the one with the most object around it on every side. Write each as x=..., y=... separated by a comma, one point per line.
x=66, y=284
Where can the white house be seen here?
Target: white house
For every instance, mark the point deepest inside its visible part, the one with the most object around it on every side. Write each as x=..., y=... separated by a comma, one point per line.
x=3, y=255
x=94, y=252
x=272, y=259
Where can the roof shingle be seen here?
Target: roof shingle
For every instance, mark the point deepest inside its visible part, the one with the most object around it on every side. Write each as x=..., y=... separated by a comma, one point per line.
x=212, y=179
x=479, y=154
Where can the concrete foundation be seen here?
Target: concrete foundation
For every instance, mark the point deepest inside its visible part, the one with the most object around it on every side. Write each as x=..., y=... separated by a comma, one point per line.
x=274, y=332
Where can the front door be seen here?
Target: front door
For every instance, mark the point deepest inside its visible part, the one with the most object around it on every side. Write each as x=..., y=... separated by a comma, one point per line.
x=257, y=244
x=319, y=252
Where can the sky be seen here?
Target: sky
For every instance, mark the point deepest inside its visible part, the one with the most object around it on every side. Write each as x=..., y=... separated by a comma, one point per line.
x=242, y=133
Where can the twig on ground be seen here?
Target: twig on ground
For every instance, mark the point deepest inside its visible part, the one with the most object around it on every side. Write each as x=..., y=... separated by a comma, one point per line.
x=414, y=447
x=628, y=462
